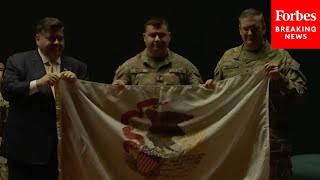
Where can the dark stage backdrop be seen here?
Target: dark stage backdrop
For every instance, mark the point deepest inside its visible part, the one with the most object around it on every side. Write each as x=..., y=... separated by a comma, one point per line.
x=103, y=34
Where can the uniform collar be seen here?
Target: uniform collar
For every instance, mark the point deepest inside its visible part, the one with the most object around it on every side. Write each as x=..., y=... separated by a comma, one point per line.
x=146, y=58
x=264, y=51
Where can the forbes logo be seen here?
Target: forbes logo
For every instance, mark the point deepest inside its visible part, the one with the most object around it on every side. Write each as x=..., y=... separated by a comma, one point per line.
x=295, y=16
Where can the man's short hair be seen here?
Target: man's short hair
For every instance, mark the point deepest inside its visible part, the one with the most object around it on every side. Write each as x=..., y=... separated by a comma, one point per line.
x=48, y=23
x=252, y=12
x=156, y=22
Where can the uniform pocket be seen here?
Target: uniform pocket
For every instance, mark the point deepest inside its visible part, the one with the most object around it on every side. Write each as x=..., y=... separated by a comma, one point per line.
x=137, y=75
x=175, y=77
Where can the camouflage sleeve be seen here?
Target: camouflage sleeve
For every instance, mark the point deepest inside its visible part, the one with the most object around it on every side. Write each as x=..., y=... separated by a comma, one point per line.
x=227, y=55
x=122, y=74
x=292, y=76
x=193, y=75
x=218, y=72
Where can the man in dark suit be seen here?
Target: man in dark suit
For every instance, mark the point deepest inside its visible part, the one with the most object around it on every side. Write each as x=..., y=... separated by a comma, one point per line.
x=31, y=132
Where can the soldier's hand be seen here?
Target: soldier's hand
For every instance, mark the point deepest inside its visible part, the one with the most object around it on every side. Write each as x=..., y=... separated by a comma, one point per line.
x=48, y=79
x=210, y=84
x=68, y=76
x=118, y=83
x=272, y=70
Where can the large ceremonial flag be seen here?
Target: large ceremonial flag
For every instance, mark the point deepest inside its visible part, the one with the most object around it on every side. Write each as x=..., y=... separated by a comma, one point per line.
x=164, y=132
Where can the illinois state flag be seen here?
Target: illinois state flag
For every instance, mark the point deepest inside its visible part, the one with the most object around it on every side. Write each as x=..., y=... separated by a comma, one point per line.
x=168, y=132
x=295, y=24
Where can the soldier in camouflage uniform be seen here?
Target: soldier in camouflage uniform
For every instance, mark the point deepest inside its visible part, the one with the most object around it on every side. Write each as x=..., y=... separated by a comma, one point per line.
x=157, y=65
x=4, y=106
x=287, y=84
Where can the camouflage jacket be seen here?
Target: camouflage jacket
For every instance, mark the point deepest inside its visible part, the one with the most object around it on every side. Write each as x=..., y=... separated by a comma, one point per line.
x=4, y=107
x=292, y=84
x=143, y=70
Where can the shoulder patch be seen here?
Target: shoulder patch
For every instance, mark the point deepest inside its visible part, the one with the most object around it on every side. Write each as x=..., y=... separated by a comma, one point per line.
x=295, y=65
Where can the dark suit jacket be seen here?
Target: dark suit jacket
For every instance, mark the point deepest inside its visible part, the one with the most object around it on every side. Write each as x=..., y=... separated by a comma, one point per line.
x=31, y=133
